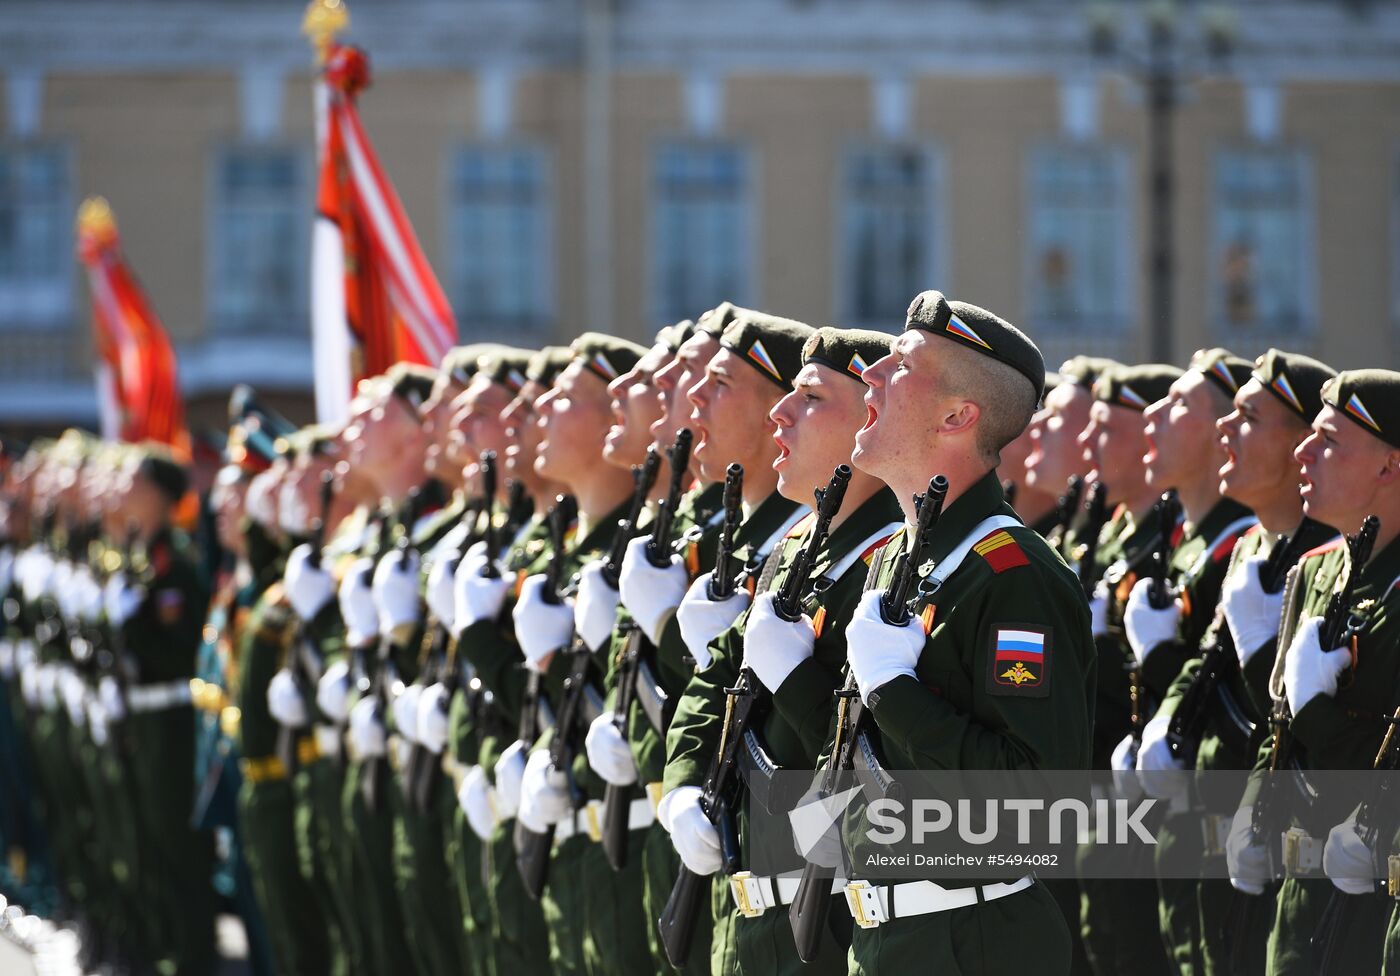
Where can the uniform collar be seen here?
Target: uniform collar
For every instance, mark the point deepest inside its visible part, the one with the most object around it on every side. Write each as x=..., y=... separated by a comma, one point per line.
x=1215, y=521
x=983, y=499
x=765, y=519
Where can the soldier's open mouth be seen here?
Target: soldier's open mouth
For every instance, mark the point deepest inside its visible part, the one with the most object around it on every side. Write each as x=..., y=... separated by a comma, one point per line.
x=870, y=417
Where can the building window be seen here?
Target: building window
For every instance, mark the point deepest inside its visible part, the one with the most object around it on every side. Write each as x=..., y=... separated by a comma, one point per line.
x=702, y=239
x=1080, y=261
x=1262, y=269
x=499, y=241
x=889, y=234
x=36, y=238
x=259, y=241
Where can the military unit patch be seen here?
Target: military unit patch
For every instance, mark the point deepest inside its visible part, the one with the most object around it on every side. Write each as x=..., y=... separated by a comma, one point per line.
x=1358, y=410
x=1131, y=398
x=1222, y=373
x=603, y=367
x=1001, y=552
x=515, y=380
x=857, y=365
x=1020, y=661
x=1283, y=388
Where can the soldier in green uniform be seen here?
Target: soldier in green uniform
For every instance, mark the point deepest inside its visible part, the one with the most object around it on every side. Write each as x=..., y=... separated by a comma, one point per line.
x=1038, y=504
x=960, y=384
x=798, y=665
x=296, y=928
x=1184, y=455
x=1272, y=410
x=159, y=612
x=1119, y=916
x=636, y=755
x=1339, y=700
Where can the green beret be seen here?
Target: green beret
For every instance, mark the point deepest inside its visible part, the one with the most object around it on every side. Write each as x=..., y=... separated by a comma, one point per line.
x=1135, y=387
x=461, y=362
x=847, y=351
x=769, y=344
x=672, y=336
x=1084, y=370
x=1223, y=368
x=1371, y=397
x=506, y=365
x=159, y=467
x=243, y=402
x=1296, y=380
x=412, y=382
x=606, y=357
x=545, y=365
x=979, y=330
x=717, y=319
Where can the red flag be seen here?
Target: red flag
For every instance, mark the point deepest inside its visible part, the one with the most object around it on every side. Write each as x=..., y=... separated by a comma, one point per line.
x=375, y=300
x=137, y=380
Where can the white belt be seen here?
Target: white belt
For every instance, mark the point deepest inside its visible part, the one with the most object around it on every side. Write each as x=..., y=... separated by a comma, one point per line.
x=589, y=819
x=328, y=741
x=154, y=698
x=755, y=894
x=870, y=905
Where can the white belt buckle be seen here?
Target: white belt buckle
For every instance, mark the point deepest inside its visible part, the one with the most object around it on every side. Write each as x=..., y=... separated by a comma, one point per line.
x=748, y=894
x=1302, y=854
x=1216, y=829
x=593, y=821
x=864, y=902
x=1392, y=883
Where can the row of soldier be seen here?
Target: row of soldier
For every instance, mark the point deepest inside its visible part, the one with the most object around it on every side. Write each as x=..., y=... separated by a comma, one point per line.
x=482, y=666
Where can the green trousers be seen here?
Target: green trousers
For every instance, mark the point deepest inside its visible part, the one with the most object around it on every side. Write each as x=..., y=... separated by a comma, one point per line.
x=519, y=940
x=289, y=908
x=371, y=838
x=565, y=894
x=1390, y=965
x=320, y=840
x=614, y=926
x=1179, y=841
x=1298, y=909
x=1118, y=919
x=660, y=864
x=463, y=851
x=1020, y=935
x=765, y=945
x=428, y=901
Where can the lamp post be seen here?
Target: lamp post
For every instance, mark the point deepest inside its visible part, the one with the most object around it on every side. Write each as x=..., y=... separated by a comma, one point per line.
x=1162, y=62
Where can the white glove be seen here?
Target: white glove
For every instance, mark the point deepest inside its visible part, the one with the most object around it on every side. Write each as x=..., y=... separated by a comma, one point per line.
x=121, y=601
x=774, y=647
x=1251, y=613
x=544, y=793
x=90, y=602
x=109, y=693
x=880, y=652
x=648, y=593
x=405, y=706
x=1309, y=671
x=333, y=691
x=7, y=659
x=368, y=739
x=1161, y=775
x=309, y=588
x=432, y=718
x=1148, y=628
x=357, y=604
x=595, y=606
x=441, y=594
x=396, y=591
x=510, y=774
x=702, y=619
x=695, y=838
x=541, y=626
x=608, y=752
x=1348, y=861
x=1124, y=762
x=1098, y=610
x=1246, y=857
x=474, y=797
x=284, y=701
x=476, y=555
x=476, y=597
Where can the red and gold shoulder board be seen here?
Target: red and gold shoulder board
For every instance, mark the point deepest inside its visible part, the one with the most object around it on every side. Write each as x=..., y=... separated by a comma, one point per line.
x=1001, y=551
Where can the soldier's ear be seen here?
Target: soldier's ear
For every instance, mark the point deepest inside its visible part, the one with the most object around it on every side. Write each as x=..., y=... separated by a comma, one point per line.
x=1390, y=472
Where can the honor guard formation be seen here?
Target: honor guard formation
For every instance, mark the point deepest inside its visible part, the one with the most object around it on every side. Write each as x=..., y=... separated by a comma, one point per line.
x=494, y=677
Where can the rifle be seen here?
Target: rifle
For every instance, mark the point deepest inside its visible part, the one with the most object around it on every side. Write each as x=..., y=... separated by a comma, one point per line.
x=488, y=495
x=532, y=849
x=1067, y=505
x=1009, y=489
x=723, y=579
x=807, y=914
x=1159, y=597
x=1375, y=819
x=1335, y=630
x=1096, y=517
x=658, y=550
x=1193, y=711
x=581, y=702
x=720, y=794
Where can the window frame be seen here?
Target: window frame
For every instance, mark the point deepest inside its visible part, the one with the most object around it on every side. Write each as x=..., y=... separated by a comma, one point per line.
x=65, y=316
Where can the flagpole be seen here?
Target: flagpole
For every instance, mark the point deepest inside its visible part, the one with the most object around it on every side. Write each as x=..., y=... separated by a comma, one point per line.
x=330, y=330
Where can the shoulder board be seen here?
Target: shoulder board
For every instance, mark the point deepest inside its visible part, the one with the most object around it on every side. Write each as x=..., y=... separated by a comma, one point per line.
x=1001, y=551
x=803, y=524
x=1224, y=547
x=1326, y=547
x=1178, y=533
x=875, y=547
x=1254, y=529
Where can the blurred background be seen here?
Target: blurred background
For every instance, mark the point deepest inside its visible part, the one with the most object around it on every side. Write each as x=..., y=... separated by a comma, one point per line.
x=1134, y=179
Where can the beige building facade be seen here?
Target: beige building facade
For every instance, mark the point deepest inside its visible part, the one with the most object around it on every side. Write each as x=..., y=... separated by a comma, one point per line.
x=576, y=164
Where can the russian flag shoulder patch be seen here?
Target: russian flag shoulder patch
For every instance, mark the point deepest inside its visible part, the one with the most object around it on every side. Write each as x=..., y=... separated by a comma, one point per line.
x=1020, y=660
